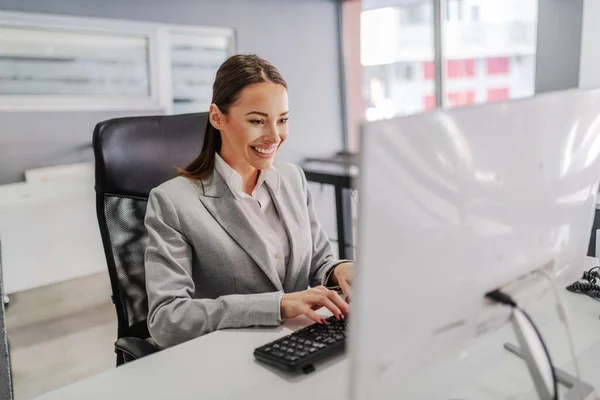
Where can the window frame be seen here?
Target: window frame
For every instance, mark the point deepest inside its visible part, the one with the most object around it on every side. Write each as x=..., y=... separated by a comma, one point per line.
x=182, y=30
x=160, y=97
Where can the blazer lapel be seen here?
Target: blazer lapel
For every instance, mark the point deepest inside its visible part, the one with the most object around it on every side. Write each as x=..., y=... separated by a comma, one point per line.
x=227, y=210
x=291, y=221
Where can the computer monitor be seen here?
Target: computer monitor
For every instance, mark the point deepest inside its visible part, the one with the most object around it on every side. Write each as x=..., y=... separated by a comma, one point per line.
x=454, y=204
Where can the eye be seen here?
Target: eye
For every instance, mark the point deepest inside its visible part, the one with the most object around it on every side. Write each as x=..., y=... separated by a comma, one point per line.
x=256, y=121
x=284, y=120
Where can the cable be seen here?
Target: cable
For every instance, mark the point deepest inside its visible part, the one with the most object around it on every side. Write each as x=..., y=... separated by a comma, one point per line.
x=563, y=315
x=537, y=332
x=587, y=288
x=591, y=275
x=505, y=299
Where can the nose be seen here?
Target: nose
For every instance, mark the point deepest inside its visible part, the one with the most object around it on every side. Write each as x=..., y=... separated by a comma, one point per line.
x=272, y=134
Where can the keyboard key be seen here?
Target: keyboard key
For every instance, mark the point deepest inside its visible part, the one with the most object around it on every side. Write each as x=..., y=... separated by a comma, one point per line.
x=294, y=349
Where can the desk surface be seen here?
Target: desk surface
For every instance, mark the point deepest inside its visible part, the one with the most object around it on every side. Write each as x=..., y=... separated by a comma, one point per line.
x=340, y=170
x=221, y=365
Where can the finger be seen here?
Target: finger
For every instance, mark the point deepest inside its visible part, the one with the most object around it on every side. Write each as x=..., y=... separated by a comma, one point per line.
x=338, y=301
x=321, y=288
x=325, y=301
x=335, y=310
x=346, y=288
x=314, y=316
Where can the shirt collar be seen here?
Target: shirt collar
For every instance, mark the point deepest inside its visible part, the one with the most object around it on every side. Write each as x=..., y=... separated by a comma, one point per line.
x=234, y=180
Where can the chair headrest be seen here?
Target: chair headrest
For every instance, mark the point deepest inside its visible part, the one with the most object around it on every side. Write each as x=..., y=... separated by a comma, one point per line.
x=136, y=154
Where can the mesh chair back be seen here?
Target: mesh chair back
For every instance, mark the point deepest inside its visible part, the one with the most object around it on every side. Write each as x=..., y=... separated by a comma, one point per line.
x=133, y=156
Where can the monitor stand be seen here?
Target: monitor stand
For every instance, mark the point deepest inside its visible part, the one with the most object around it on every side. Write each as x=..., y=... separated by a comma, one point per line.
x=577, y=390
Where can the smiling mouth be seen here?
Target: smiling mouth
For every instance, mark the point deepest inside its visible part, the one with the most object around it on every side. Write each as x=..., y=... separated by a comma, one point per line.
x=262, y=152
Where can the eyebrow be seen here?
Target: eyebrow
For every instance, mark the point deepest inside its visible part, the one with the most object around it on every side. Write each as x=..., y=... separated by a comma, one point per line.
x=265, y=114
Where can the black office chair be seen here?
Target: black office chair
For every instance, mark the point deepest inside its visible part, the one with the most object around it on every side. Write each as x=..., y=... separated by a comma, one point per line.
x=134, y=155
x=6, y=387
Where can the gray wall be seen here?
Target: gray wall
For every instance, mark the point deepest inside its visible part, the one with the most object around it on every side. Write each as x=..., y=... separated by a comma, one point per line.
x=559, y=45
x=299, y=36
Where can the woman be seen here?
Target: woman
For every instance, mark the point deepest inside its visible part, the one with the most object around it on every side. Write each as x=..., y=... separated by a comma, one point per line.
x=233, y=240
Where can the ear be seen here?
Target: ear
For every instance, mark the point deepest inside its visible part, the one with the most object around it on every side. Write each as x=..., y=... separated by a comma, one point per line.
x=216, y=117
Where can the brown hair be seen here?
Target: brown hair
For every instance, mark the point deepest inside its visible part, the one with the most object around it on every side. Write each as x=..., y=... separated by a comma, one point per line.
x=233, y=76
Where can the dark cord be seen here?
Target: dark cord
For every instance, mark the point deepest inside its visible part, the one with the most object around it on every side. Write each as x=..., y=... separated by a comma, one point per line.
x=589, y=289
x=554, y=380
x=501, y=297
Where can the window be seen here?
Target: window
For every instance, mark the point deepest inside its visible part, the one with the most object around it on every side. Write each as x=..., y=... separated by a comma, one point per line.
x=195, y=59
x=396, y=53
x=429, y=70
x=404, y=71
x=429, y=101
x=417, y=14
x=498, y=66
x=461, y=99
x=497, y=94
x=482, y=52
x=460, y=68
x=50, y=62
x=454, y=10
x=488, y=54
x=54, y=62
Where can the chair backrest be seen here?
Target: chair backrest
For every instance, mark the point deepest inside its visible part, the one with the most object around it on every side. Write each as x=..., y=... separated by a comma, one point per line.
x=6, y=390
x=134, y=155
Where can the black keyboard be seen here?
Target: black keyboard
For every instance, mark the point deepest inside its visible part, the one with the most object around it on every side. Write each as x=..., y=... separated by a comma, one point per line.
x=299, y=350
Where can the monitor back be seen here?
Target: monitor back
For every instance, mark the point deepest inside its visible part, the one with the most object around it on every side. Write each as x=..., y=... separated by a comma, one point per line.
x=455, y=203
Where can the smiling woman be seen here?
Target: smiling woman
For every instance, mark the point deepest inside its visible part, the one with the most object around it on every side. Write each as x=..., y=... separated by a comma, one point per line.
x=246, y=89
x=234, y=240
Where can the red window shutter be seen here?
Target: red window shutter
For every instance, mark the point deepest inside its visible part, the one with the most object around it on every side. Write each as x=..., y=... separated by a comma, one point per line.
x=497, y=94
x=429, y=102
x=498, y=66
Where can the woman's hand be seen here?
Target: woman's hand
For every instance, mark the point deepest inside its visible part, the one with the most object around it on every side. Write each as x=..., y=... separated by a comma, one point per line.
x=342, y=277
x=307, y=301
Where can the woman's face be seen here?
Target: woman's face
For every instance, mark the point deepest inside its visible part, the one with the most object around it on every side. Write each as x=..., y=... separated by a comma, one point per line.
x=254, y=128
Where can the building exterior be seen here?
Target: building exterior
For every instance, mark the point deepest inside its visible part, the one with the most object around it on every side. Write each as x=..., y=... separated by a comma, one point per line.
x=489, y=51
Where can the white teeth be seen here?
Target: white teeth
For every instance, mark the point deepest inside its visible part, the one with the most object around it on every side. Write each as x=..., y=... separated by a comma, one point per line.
x=263, y=151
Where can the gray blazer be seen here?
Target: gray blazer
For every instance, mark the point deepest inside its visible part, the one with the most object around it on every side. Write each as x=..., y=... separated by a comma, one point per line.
x=206, y=265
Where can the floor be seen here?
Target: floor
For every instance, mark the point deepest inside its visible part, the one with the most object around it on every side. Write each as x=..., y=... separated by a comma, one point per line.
x=60, y=334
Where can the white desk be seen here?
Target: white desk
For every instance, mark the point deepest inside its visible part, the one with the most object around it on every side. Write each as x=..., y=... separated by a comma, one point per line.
x=221, y=365
x=49, y=229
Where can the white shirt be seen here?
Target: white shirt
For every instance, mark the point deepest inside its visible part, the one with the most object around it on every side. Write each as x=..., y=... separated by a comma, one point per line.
x=260, y=209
